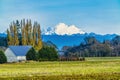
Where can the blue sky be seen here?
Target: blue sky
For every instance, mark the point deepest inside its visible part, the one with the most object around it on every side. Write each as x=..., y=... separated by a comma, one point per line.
x=99, y=16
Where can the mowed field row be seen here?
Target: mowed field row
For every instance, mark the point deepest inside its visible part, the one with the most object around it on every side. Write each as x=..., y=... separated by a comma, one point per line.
x=103, y=68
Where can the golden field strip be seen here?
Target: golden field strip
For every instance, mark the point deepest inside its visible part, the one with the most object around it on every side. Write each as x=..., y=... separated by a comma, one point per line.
x=94, y=68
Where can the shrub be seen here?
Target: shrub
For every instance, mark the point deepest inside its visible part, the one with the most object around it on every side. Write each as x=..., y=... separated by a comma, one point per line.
x=3, y=58
x=47, y=54
x=31, y=55
x=53, y=54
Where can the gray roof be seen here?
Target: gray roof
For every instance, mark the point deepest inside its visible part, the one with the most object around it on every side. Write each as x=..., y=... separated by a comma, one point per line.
x=20, y=50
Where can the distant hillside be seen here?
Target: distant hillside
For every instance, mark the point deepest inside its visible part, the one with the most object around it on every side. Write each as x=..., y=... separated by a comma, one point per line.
x=3, y=35
x=75, y=39
x=3, y=40
x=93, y=48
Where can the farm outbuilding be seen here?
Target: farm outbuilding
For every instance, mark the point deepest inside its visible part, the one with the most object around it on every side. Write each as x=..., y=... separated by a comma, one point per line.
x=17, y=53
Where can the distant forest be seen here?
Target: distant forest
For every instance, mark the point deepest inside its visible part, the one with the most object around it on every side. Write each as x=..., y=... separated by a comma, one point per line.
x=91, y=47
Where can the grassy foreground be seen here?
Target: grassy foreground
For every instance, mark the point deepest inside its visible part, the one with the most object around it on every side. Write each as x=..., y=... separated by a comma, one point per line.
x=93, y=68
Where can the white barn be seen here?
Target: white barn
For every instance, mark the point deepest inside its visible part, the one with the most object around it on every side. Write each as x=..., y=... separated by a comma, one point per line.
x=17, y=53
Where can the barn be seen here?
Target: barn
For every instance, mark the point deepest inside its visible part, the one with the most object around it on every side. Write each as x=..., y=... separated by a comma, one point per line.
x=17, y=53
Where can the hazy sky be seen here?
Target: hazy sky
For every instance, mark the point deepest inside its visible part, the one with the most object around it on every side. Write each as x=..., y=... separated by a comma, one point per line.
x=99, y=16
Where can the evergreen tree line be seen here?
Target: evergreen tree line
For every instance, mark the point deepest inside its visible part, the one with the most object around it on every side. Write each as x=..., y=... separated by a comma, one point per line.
x=47, y=53
x=24, y=33
x=91, y=47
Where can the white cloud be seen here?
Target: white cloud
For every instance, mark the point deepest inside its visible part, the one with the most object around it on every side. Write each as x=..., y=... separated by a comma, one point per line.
x=63, y=29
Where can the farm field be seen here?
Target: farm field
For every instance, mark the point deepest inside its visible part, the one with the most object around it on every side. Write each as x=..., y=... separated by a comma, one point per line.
x=103, y=68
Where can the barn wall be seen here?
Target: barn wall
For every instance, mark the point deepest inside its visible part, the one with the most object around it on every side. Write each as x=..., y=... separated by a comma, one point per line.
x=10, y=56
x=21, y=58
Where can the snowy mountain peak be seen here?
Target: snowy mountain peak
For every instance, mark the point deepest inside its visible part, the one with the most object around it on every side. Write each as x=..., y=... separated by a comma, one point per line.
x=63, y=29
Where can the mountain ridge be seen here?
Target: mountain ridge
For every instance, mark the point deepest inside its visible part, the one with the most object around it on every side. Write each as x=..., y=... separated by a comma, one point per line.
x=71, y=40
x=75, y=39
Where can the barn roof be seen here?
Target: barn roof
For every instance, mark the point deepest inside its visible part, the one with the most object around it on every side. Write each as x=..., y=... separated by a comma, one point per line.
x=20, y=50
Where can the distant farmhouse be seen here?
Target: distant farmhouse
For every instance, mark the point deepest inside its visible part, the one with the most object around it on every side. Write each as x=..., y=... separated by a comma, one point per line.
x=17, y=53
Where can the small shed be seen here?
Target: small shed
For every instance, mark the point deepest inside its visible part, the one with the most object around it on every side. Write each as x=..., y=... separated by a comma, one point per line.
x=17, y=53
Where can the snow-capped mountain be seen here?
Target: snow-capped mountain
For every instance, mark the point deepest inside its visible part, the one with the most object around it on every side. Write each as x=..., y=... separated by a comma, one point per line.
x=64, y=35
x=63, y=29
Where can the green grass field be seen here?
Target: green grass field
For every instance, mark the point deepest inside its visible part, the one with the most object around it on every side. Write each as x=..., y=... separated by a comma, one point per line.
x=93, y=68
